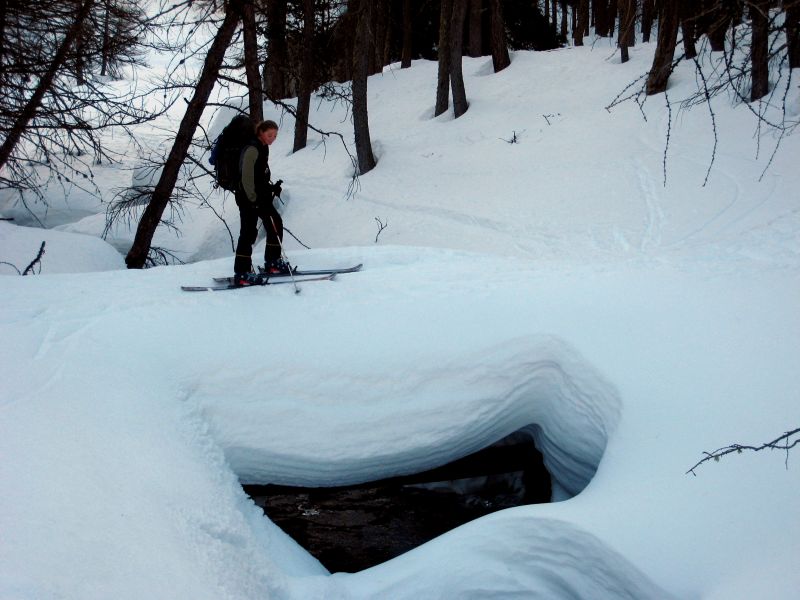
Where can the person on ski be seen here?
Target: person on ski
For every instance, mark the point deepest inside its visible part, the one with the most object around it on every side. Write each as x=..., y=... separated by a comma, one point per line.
x=254, y=197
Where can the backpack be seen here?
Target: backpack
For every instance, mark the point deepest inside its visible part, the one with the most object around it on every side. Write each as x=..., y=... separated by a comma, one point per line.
x=226, y=150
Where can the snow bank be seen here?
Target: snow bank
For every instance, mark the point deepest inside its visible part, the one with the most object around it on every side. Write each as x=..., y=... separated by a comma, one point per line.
x=63, y=252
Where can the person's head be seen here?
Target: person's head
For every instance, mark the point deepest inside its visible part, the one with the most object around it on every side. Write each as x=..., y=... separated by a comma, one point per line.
x=266, y=132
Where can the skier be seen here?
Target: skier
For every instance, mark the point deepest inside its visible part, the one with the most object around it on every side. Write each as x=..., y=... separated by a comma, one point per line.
x=254, y=197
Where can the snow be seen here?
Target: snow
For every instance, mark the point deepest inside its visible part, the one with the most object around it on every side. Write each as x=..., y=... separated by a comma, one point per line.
x=557, y=285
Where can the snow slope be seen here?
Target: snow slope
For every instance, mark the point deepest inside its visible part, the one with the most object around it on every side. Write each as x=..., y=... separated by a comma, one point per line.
x=555, y=286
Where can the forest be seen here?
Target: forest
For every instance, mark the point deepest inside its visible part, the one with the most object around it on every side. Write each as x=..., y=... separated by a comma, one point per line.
x=59, y=63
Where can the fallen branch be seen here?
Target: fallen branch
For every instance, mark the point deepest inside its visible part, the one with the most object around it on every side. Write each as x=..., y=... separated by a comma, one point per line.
x=780, y=443
x=37, y=260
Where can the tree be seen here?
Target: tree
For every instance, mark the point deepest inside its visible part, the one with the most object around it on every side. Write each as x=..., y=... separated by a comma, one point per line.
x=647, y=19
x=500, y=57
x=792, y=24
x=255, y=94
x=627, y=23
x=138, y=254
x=475, y=28
x=361, y=52
x=460, y=104
x=45, y=83
x=276, y=83
x=668, y=17
x=689, y=16
x=408, y=34
x=443, y=77
x=306, y=78
x=582, y=25
x=759, y=14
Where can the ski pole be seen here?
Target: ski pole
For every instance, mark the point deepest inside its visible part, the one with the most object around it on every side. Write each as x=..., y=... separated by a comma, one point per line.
x=283, y=254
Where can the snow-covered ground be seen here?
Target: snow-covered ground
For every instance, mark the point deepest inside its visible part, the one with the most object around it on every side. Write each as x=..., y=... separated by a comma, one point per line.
x=555, y=285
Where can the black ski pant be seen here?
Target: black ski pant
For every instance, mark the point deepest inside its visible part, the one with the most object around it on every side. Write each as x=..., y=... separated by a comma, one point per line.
x=249, y=214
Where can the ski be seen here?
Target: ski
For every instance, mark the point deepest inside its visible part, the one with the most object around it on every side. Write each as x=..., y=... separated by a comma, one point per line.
x=301, y=273
x=267, y=281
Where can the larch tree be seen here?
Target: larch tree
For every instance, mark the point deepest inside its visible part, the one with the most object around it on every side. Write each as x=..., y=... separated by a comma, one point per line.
x=475, y=28
x=408, y=33
x=362, y=44
x=276, y=81
x=668, y=19
x=443, y=74
x=255, y=93
x=759, y=16
x=458, y=14
x=792, y=24
x=582, y=24
x=627, y=27
x=137, y=256
x=306, y=80
x=500, y=57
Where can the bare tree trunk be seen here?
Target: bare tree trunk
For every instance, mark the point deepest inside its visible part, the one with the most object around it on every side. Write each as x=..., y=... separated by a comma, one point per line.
x=460, y=103
x=361, y=51
x=647, y=19
x=792, y=24
x=583, y=22
x=564, y=11
x=759, y=13
x=408, y=30
x=276, y=84
x=380, y=28
x=255, y=95
x=45, y=83
x=719, y=20
x=627, y=22
x=500, y=57
x=475, y=47
x=443, y=77
x=689, y=14
x=665, y=50
x=306, y=76
x=600, y=13
x=137, y=256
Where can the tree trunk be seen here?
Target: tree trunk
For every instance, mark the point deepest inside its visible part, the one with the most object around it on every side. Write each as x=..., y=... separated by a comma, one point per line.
x=380, y=27
x=759, y=13
x=627, y=23
x=408, y=30
x=500, y=58
x=45, y=83
x=306, y=77
x=583, y=22
x=647, y=19
x=443, y=77
x=720, y=19
x=276, y=84
x=137, y=256
x=361, y=51
x=792, y=24
x=600, y=13
x=665, y=50
x=689, y=15
x=475, y=47
x=564, y=17
x=460, y=103
x=255, y=95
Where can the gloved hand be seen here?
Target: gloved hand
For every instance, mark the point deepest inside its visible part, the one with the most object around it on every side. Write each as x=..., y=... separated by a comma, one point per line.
x=276, y=188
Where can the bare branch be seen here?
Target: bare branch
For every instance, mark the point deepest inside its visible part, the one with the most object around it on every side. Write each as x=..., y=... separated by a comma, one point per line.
x=35, y=261
x=782, y=442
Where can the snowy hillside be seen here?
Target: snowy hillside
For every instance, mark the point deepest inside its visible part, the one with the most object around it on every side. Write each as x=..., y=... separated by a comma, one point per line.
x=557, y=286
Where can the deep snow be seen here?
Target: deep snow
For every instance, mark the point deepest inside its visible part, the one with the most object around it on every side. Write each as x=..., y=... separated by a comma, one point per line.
x=556, y=285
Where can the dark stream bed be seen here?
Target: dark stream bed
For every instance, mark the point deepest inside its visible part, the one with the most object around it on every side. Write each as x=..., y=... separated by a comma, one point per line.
x=355, y=527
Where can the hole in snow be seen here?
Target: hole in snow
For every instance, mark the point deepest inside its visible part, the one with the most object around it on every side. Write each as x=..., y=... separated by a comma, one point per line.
x=355, y=527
